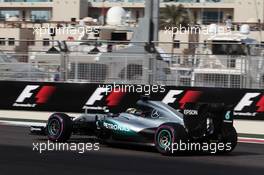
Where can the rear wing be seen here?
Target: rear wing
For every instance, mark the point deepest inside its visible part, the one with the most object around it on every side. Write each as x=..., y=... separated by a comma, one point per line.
x=199, y=117
x=212, y=110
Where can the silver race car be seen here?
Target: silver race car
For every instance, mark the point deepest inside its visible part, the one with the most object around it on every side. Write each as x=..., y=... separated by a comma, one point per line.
x=152, y=123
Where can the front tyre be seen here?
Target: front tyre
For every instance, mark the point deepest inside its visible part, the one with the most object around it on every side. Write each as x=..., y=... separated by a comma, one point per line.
x=59, y=127
x=167, y=135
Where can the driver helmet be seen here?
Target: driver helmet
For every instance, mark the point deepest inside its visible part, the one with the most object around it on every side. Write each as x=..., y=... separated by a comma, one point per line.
x=131, y=110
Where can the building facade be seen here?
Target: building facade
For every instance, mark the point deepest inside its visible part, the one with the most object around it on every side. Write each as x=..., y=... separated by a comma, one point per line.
x=39, y=12
x=205, y=11
x=43, y=10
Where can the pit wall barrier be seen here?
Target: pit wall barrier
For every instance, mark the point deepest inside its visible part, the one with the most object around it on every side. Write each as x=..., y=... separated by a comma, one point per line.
x=248, y=104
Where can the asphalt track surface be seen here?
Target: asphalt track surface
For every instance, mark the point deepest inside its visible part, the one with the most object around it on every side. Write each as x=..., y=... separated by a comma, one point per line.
x=17, y=157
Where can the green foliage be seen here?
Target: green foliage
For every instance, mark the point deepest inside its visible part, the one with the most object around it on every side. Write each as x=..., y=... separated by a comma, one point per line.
x=174, y=16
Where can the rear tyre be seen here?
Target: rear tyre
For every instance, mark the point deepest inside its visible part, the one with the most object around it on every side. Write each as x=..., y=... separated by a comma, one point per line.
x=167, y=135
x=59, y=127
x=229, y=138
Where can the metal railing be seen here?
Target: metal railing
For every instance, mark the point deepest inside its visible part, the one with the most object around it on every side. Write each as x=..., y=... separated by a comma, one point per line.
x=193, y=64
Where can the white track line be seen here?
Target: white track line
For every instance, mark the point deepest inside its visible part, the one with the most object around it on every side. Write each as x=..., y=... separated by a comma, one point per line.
x=250, y=140
x=19, y=123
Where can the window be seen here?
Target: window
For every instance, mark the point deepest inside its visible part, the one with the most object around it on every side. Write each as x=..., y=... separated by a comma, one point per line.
x=262, y=44
x=40, y=15
x=2, y=41
x=231, y=63
x=11, y=41
x=118, y=36
x=5, y=14
x=212, y=17
x=228, y=48
x=176, y=44
x=46, y=42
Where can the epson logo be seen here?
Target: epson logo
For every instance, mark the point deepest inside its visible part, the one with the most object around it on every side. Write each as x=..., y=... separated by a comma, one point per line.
x=190, y=112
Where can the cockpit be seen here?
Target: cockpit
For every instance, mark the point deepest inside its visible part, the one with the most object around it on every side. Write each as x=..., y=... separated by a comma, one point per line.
x=138, y=112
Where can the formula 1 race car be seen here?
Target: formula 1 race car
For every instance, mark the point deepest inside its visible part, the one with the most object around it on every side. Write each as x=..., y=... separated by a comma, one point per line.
x=150, y=123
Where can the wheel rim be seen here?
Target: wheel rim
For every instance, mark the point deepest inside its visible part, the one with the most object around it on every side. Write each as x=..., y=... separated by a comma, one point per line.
x=54, y=127
x=164, y=139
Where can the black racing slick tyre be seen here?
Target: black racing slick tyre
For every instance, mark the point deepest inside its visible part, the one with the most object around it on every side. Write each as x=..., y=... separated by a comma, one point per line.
x=229, y=138
x=167, y=135
x=59, y=127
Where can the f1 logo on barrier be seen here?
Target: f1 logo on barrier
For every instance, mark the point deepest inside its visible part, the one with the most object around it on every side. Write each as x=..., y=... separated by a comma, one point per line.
x=96, y=96
x=188, y=97
x=32, y=95
x=248, y=100
x=112, y=100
